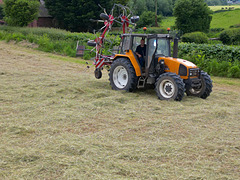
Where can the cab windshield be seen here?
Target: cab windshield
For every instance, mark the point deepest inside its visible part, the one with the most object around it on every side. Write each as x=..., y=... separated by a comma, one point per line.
x=163, y=47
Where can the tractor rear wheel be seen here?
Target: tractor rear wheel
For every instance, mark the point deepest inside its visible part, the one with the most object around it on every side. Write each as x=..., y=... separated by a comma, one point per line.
x=122, y=75
x=205, y=88
x=170, y=86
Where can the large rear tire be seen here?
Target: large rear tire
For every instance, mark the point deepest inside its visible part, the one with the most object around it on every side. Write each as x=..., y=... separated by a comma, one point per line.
x=170, y=86
x=205, y=88
x=122, y=75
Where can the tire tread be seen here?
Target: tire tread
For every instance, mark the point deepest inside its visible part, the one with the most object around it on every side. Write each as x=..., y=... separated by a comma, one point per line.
x=132, y=75
x=178, y=81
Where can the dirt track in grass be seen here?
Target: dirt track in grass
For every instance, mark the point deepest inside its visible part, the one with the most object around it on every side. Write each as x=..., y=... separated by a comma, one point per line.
x=58, y=121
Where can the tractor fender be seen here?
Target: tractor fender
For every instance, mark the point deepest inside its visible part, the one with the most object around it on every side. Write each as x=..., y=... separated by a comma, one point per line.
x=129, y=55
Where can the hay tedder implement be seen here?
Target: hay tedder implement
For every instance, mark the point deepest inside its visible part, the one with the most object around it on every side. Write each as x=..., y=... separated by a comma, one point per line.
x=171, y=76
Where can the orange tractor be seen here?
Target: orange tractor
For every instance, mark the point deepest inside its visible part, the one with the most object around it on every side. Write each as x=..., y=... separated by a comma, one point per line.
x=171, y=76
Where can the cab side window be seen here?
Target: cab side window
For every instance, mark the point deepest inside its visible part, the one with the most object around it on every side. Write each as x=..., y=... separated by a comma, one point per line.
x=136, y=43
x=126, y=43
x=163, y=47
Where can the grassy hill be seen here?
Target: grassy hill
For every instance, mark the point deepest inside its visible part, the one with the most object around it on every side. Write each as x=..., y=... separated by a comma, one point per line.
x=219, y=20
x=225, y=19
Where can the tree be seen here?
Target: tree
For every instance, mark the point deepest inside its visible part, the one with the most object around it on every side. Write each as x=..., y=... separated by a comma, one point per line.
x=148, y=19
x=123, y=2
x=75, y=15
x=138, y=6
x=1, y=12
x=216, y=2
x=20, y=12
x=164, y=7
x=156, y=23
x=192, y=15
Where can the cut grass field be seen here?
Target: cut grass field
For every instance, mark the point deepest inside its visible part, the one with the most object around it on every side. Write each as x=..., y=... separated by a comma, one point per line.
x=58, y=122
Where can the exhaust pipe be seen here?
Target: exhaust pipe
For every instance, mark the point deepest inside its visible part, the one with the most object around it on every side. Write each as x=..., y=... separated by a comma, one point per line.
x=175, y=47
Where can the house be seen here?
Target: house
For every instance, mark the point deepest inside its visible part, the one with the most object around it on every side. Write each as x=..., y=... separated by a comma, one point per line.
x=44, y=19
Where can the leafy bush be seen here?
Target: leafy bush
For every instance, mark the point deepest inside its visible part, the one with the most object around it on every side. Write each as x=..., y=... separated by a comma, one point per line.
x=148, y=19
x=222, y=69
x=157, y=31
x=214, y=66
x=53, y=40
x=235, y=26
x=218, y=60
x=3, y=35
x=152, y=30
x=216, y=29
x=231, y=36
x=192, y=15
x=217, y=51
x=195, y=37
x=234, y=72
x=20, y=13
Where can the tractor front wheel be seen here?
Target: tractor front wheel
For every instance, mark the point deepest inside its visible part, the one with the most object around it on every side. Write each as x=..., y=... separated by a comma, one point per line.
x=204, y=90
x=170, y=86
x=122, y=75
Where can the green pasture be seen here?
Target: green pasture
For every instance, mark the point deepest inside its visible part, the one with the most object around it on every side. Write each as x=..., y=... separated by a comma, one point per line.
x=225, y=19
x=167, y=22
x=219, y=20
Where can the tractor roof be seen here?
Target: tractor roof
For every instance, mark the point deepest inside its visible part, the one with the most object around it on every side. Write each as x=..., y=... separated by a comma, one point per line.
x=148, y=35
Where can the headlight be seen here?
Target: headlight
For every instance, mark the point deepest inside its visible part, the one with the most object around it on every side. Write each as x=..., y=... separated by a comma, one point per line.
x=194, y=72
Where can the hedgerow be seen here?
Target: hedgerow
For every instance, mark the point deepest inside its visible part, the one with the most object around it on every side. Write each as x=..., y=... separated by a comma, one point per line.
x=216, y=51
x=231, y=36
x=218, y=60
x=53, y=40
x=195, y=37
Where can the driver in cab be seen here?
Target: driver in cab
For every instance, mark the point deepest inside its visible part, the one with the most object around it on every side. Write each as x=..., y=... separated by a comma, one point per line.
x=141, y=52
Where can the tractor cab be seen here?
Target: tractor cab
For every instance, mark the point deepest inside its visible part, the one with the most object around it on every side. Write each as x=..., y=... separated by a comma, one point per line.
x=156, y=46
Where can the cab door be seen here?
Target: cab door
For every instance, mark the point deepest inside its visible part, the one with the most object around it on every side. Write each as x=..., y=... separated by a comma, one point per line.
x=151, y=50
